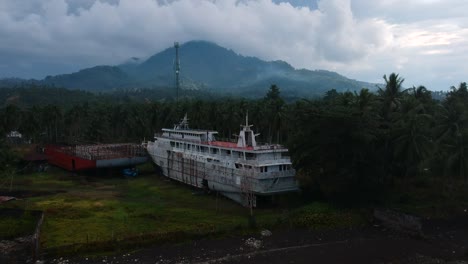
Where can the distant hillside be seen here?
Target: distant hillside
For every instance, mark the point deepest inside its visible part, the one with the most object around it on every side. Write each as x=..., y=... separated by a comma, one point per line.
x=30, y=94
x=208, y=67
x=205, y=65
x=27, y=95
x=98, y=78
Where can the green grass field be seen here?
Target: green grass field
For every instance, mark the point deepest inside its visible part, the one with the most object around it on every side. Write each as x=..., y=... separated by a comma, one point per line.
x=94, y=211
x=13, y=226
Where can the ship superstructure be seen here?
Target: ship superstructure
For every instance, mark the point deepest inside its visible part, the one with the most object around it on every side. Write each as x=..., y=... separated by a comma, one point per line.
x=239, y=170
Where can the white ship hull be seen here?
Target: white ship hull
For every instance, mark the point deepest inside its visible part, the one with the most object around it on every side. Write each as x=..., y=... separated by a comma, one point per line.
x=240, y=171
x=219, y=173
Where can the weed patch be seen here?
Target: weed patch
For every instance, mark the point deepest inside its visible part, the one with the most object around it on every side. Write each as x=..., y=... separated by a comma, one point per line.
x=98, y=214
x=17, y=224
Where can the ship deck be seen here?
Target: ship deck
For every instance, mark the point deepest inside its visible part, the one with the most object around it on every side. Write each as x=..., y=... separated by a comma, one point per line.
x=225, y=144
x=229, y=144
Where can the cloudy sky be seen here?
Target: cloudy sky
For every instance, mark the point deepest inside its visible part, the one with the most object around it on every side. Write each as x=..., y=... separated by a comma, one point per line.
x=425, y=41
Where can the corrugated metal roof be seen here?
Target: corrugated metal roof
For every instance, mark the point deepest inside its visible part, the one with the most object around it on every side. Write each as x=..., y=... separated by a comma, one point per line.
x=4, y=199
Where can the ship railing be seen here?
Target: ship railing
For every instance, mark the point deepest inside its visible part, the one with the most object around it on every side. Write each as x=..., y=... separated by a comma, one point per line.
x=267, y=146
x=160, y=135
x=260, y=146
x=256, y=162
x=105, y=151
x=231, y=140
x=260, y=158
x=207, y=143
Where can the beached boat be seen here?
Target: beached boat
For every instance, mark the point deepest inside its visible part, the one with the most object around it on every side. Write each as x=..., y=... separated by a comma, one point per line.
x=241, y=170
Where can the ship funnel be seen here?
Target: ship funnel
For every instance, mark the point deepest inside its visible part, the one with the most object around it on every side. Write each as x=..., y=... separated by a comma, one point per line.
x=246, y=135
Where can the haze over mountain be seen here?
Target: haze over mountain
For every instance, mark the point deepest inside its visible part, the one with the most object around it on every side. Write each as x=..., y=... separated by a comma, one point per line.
x=425, y=42
x=208, y=67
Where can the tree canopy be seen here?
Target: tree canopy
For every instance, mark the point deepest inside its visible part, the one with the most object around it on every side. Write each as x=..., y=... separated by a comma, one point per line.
x=346, y=144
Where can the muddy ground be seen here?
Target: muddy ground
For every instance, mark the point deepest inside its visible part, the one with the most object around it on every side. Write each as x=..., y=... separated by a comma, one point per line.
x=443, y=241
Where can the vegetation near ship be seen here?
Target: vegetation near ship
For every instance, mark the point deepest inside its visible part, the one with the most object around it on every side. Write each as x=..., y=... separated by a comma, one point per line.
x=239, y=170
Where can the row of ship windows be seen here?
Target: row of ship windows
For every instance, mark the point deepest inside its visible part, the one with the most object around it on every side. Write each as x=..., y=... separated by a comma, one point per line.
x=213, y=150
x=203, y=149
x=284, y=167
x=184, y=134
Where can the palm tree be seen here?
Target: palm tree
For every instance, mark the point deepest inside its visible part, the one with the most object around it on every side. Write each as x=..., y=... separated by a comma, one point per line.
x=30, y=124
x=392, y=94
x=412, y=141
x=452, y=134
x=274, y=108
x=364, y=101
x=421, y=93
x=457, y=160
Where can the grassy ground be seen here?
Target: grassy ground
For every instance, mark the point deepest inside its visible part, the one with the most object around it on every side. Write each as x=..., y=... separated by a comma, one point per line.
x=430, y=197
x=97, y=211
x=17, y=224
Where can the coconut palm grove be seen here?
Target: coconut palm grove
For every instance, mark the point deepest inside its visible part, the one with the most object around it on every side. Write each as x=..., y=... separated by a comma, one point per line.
x=352, y=147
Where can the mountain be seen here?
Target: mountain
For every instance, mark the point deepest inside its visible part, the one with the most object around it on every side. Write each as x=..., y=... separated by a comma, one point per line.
x=208, y=67
x=97, y=78
x=205, y=65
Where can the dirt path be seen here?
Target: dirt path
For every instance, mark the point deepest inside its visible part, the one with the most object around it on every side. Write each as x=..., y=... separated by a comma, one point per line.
x=444, y=241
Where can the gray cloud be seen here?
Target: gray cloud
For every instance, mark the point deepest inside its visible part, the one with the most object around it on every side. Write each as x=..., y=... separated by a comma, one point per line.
x=359, y=39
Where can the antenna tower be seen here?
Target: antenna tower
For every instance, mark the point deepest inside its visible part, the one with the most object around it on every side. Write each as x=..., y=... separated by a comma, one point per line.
x=177, y=69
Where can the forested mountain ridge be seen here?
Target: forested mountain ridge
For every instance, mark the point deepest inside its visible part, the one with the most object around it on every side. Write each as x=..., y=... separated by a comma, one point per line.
x=95, y=79
x=208, y=67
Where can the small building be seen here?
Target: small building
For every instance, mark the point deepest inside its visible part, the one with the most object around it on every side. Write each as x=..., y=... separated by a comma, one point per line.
x=15, y=138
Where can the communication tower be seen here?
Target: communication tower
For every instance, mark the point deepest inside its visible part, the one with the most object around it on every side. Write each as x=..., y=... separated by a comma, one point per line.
x=177, y=69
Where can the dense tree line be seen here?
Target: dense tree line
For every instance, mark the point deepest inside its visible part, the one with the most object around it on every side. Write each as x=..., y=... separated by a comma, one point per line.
x=359, y=144
x=351, y=144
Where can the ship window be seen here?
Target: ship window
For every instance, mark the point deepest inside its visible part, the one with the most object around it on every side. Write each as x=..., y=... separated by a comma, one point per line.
x=214, y=150
x=172, y=143
x=238, y=165
x=249, y=155
x=266, y=168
